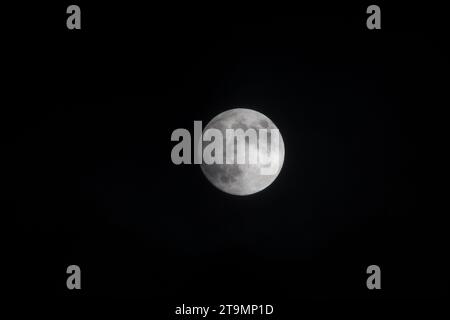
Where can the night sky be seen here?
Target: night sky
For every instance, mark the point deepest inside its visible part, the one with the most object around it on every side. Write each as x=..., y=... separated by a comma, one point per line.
x=94, y=184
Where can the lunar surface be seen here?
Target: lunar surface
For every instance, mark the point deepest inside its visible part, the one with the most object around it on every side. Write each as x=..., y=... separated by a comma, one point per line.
x=243, y=179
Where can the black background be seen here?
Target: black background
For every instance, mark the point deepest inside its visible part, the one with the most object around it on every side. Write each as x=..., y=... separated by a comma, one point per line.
x=94, y=184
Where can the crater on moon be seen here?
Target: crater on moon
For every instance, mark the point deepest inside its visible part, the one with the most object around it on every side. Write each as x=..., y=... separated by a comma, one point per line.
x=242, y=179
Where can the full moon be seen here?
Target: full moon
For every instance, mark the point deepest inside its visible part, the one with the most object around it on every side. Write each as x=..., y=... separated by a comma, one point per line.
x=242, y=179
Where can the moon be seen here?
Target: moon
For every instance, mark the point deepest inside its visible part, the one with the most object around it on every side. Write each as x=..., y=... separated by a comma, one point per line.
x=242, y=179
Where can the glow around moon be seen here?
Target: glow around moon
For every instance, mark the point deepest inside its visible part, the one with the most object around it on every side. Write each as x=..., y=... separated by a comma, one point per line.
x=243, y=179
